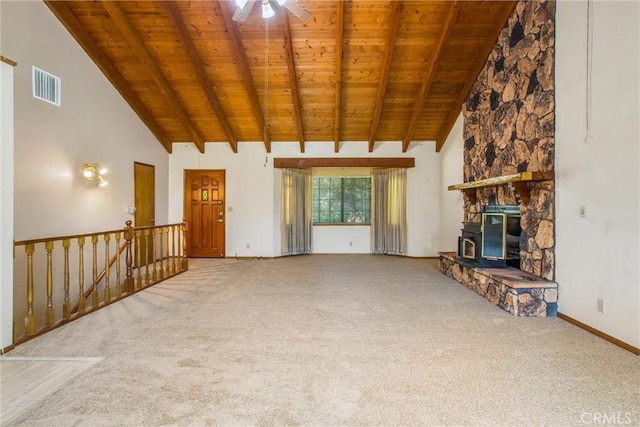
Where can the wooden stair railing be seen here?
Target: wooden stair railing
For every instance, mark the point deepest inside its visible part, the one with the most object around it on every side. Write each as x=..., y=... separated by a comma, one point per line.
x=103, y=273
x=43, y=279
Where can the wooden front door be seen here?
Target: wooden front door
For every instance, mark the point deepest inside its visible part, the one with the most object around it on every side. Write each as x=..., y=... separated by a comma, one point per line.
x=205, y=213
x=144, y=183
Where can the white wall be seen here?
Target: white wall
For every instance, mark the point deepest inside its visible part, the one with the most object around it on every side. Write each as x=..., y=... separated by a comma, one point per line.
x=253, y=192
x=451, y=202
x=342, y=239
x=597, y=257
x=94, y=124
x=248, y=191
x=6, y=201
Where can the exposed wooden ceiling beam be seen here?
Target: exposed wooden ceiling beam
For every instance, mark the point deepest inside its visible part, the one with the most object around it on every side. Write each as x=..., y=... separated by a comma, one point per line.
x=396, y=14
x=481, y=60
x=293, y=76
x=338, y=99
x=429, y=72
x=171, y=9
x=77, y=30
x=344, y=162
x=240, y=57
x=119, y=17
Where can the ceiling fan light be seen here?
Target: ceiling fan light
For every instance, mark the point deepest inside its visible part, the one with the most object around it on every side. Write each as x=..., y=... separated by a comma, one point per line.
x=267, y=10
x=281, y=2
x=241, y=3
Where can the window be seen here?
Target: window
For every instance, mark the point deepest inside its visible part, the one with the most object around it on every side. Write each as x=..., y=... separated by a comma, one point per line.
x=339, y=200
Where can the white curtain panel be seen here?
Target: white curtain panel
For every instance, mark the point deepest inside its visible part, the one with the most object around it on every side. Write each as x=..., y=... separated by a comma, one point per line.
x=296, y=211
x=389, y=211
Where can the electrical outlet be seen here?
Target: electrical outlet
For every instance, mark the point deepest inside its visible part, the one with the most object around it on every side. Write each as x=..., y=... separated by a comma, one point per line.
x=350, y=243
x=248, y=246
x=600, y=305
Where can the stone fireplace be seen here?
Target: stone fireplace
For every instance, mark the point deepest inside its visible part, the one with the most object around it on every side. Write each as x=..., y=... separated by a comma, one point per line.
x=509, y=137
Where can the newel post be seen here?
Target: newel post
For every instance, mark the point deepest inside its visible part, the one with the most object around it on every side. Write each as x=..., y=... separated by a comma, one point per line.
x=185, y=261
x=129, y=234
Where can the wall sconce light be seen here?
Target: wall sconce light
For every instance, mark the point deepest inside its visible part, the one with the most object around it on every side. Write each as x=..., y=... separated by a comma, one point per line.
x=94, y=172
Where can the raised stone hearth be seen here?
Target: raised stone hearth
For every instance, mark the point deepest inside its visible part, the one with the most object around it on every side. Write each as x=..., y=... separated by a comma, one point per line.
x=517, y=292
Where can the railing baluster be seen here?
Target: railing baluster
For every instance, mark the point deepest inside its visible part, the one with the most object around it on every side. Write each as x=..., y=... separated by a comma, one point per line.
x=154, y=275
x=167, y=269
x=30, y=320
x=66, y=307
x=94, y=295
x=118, y=285
x=162, y=275
x=146, y=236
x=185, y=261
x=129, y=234
x=173, y=249
x=50, y=317
x=107, y=268
x=138, y=264
x=82, y=300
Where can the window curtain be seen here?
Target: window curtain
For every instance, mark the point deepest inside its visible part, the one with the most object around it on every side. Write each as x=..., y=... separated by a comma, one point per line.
x=296, y=211
x=389, y=211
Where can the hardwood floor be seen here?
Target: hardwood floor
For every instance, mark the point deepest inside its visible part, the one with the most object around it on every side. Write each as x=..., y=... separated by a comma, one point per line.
x=24, y=381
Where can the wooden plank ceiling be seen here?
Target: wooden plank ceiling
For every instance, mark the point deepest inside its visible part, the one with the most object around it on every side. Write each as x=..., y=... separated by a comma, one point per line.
x=357, y=70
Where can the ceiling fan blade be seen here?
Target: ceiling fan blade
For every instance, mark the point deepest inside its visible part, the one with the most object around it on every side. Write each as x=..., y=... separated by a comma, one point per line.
x=297, y=9
x=243, y=14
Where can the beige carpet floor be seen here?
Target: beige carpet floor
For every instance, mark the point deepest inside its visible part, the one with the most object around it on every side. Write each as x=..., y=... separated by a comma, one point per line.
x=328, y=340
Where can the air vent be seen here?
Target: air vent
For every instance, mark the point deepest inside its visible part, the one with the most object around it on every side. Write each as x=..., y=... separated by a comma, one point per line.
x=46, y=86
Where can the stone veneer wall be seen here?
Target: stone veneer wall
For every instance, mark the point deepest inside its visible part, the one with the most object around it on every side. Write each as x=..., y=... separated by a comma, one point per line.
x=509, y=127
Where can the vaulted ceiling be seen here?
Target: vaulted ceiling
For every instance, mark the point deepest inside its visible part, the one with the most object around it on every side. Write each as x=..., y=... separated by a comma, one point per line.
x=357, y=70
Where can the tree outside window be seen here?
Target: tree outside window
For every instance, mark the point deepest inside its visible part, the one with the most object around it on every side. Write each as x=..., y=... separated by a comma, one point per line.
x=338, y=200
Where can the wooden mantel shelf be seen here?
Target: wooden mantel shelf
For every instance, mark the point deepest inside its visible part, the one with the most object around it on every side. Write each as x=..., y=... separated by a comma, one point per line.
x=520, y=182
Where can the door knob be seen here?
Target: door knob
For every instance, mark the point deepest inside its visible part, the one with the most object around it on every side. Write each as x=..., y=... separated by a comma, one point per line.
x=220, y=217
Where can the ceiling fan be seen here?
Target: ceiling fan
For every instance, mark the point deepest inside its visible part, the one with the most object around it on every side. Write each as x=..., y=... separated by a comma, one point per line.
x=294, y=6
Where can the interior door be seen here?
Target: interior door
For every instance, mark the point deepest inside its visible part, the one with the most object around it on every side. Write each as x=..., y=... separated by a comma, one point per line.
x=205, y=213
x=144, y=195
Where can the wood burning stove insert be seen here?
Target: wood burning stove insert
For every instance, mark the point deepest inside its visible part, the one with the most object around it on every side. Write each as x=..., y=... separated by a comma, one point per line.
x=494, y=240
